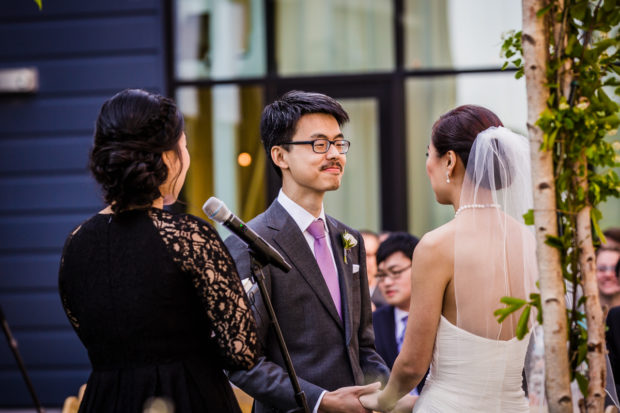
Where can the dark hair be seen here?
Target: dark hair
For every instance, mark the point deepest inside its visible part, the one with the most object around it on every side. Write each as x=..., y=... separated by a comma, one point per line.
x=613, y=234
x=134, y=128
x=279, y=119
x=395, y=242
x=457, y=130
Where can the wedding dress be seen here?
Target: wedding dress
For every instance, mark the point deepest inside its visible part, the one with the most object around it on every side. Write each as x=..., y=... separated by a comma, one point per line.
x=477, y=362
x=493, y=379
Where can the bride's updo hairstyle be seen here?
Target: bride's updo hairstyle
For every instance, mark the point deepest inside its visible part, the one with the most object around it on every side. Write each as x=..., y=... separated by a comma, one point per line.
x=134, y=128
x=457, y=130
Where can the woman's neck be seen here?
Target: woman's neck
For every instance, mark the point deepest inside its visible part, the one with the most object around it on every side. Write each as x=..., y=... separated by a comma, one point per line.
x=158, y=203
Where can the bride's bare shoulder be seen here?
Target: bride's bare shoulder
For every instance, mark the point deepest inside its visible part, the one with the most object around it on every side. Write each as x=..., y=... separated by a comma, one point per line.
x=438, y=242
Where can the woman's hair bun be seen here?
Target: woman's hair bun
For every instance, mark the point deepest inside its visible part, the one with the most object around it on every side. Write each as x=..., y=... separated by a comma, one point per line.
x=134, y=128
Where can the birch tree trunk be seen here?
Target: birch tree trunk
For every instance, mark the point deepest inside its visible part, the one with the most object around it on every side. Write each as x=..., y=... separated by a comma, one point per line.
x=595, y=401
x=535, y=42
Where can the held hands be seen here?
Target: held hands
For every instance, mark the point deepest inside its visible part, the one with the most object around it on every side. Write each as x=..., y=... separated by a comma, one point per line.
x=405, y=404
x=347, y=399
x=372, y=402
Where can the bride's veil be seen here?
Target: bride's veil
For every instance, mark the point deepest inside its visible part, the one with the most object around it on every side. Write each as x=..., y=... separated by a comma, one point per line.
x=494, y=251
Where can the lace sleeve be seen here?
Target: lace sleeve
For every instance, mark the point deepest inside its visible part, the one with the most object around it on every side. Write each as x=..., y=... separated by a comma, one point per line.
x=199, y=251
x=62, y=287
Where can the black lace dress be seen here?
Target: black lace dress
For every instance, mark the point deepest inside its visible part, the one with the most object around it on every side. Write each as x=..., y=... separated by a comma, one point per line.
x=157, y=302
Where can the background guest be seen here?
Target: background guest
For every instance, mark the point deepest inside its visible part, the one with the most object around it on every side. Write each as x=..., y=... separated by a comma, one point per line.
x=371, y=243
x=394, y=280
x=607, y=257
x=154, y=296
x=612, y=237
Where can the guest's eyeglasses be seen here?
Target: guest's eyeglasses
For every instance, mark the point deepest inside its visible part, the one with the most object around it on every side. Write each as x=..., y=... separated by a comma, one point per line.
x=605, y=268
x=322, y=145
x=393, y=274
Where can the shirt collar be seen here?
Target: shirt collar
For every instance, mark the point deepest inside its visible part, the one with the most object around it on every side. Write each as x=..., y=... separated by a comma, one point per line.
x=301, y=217
x=399, y=314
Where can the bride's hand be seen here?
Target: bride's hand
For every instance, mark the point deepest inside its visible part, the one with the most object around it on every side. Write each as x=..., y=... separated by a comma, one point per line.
x=371, y=401
x=405, y=404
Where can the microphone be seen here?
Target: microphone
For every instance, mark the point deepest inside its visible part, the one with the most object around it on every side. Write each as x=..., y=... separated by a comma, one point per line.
x=217, y=211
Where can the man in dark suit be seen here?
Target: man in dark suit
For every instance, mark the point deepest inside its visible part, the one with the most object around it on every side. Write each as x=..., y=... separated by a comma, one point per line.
x=394, y=280
x=322, y=303
x=371, y=243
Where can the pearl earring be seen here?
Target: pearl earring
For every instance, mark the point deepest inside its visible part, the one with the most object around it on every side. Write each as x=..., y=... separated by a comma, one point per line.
x=447, y=177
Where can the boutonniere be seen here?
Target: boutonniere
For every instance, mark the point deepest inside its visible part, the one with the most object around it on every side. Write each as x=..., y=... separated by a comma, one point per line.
x=348, y=242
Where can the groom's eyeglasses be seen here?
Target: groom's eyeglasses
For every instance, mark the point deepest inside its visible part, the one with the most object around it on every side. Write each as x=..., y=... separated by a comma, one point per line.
x=393, y=274
x=322, y=145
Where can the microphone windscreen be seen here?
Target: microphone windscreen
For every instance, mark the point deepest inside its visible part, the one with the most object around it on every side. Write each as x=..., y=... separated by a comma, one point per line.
x=216, y=210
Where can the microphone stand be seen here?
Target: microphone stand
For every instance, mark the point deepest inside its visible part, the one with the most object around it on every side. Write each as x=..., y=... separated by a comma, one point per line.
x=20, y=362
x=259, y=277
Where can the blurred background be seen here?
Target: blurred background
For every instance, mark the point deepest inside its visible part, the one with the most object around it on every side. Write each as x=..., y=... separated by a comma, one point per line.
x=395, y=65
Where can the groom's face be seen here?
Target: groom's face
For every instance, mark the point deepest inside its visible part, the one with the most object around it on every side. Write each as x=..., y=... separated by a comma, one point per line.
x=304, y=170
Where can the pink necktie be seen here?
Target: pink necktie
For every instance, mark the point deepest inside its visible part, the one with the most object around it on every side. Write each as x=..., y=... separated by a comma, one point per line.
x=324, y=259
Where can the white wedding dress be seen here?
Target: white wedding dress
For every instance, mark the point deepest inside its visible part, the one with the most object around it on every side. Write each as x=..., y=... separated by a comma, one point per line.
x=485, y=377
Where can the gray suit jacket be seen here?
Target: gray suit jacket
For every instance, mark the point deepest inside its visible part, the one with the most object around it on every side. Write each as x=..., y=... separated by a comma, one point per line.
x=327, y=352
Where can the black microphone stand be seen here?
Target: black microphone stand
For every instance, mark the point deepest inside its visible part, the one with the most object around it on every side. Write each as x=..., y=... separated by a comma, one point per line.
x=258, y=276
x=20, y=362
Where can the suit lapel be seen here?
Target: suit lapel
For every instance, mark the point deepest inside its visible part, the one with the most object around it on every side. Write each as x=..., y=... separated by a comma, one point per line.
x=293, y=244
x=391, y=323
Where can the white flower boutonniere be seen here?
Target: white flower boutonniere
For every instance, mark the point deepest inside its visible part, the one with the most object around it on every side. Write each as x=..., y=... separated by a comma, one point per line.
x=348, y=242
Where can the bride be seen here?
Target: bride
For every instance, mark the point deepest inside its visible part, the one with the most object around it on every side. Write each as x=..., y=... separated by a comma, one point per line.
x=462, y=269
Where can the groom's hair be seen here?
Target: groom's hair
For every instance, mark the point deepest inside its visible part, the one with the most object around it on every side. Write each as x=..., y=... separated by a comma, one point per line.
x=395, y=242
x=279, y=119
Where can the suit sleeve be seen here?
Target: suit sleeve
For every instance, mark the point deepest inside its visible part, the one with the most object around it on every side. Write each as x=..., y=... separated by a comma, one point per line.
x=372, y=364
x=266, y=382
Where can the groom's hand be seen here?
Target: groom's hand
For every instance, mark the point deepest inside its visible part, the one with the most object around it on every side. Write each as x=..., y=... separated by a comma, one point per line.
x=346, y=399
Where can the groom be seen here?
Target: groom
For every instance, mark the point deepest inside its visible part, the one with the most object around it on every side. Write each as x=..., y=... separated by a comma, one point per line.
x=322, y=303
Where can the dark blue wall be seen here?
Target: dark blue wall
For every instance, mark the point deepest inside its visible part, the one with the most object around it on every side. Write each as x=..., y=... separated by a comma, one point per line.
x=85, y=51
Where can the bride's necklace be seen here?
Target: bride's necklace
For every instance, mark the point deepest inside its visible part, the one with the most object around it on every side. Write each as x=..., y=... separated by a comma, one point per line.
x=474, y=206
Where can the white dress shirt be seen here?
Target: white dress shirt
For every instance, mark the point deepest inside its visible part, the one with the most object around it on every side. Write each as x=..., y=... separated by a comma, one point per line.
x=303, y=219
x=399, y=331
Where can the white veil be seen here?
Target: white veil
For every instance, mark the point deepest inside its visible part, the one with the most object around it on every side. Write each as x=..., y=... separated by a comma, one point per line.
x=494, y=251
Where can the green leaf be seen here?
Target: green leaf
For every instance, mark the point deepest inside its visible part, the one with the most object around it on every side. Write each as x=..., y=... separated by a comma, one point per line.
x=543, y=10
x=39, y=3
x=522, y=328
x=502, y=311
x=512, y=301
x=594, y=213
x=570, y=44
x=582, y=381
x=549, y=139
x=609, y=5
x=528, y=217
x=603, y=45
x=554, y=242
x=578, y=11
